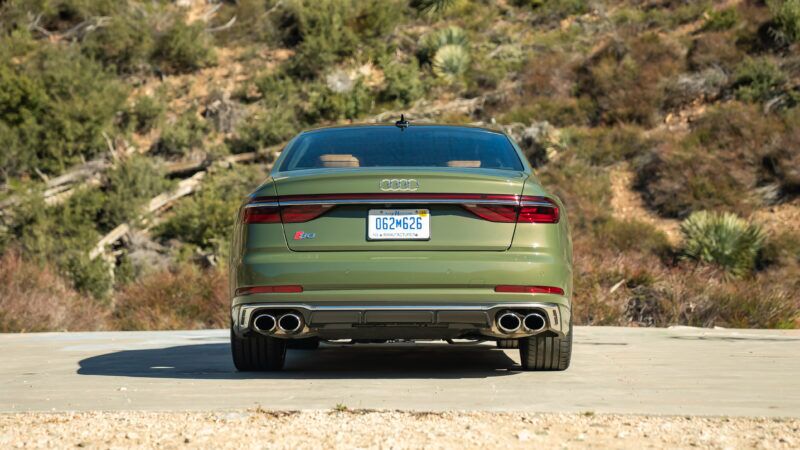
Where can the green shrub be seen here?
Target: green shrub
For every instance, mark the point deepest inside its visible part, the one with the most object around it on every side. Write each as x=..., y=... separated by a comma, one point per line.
x=712, y=50
x=549, y=10
x=758, y=80
x=632, y=235
x=623, y=79
x=561, y=112
x=183, y=136
x=717, y=166
x=786, y=14
x=183, y=47
x=127, y=188
x=125, y=43
x=145, y=114
x=262, y=129
x=402, y=83
x=55, y=105
x=206, y=218
x=604, y=146
x=722, y=239
x=720, y=20
x=324, y=32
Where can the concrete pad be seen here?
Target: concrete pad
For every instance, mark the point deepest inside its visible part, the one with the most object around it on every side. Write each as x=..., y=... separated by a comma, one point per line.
x=676, y=371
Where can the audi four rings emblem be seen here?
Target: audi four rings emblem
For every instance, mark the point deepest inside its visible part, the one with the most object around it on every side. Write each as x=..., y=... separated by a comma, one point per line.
x=399, y=184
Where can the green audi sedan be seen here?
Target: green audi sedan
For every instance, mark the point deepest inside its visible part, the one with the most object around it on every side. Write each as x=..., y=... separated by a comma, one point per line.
x=374, y=233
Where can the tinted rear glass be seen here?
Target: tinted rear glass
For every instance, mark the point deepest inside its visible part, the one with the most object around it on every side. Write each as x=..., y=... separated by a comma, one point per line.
x=420, y=146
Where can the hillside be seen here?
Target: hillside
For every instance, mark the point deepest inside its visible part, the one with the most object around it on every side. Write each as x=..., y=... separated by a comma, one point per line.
x=131, y=130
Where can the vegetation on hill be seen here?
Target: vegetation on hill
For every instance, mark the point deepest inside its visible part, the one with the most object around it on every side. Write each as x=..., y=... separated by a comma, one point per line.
x=148, y=121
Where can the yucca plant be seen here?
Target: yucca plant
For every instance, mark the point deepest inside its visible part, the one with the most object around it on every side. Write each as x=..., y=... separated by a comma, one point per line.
x=432, y=42
x=722, y=239
x=425, y=6
x=450, y=62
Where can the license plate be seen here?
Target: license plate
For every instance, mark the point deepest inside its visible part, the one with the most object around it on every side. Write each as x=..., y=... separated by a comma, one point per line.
x=398, y=224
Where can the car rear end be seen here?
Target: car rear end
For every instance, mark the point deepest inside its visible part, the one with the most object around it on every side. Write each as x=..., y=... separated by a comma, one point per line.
x=380, y=232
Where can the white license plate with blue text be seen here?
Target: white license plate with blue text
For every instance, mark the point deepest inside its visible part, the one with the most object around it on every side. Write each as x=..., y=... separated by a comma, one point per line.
x=398, y=224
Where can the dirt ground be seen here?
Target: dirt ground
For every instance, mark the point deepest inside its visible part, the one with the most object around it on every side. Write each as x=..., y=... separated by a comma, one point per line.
x=342, y=428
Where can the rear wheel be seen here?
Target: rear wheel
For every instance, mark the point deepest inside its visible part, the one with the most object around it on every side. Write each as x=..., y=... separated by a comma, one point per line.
x=508, y=343
x=257, y=353
x=311, y=343
x=546, y=352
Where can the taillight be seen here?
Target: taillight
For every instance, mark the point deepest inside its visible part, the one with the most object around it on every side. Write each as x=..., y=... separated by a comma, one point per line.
x=254, y=213
x=530, y=210
x=513, y=288
x=282, y=289
x=261, y=214
x=303, y=213
x=537, y=210
x=494, y=213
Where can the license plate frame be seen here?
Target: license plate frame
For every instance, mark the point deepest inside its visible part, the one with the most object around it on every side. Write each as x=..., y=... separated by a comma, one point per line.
x=417, y=223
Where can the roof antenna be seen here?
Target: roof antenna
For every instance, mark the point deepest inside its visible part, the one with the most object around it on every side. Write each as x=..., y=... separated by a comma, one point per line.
x=402, y=123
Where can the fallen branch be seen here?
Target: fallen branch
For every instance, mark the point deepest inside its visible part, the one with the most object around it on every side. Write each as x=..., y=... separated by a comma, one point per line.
x=155, y=205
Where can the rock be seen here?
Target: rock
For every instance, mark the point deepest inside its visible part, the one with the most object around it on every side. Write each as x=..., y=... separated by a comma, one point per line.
x=540, y=141
x=223, y=113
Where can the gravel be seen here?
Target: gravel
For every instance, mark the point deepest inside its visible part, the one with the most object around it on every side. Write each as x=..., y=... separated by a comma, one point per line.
x=342, y=428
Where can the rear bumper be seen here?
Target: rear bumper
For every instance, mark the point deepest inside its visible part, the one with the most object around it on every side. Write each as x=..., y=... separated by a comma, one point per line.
x=382, y=321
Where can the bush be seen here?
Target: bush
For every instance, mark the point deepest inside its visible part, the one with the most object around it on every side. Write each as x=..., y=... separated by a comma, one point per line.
x=714, y=50
x=55, y=105
x=717, y=166
x=184, y=48
x=183, y=136
x=724, y=240
x=34, y=298
x=758, y=80
x=561, y=112
x=325, y=32
x=206, y=219
x=604, y=146
x=632, y=235
x=402, y=83
x=128, y=187
x=125, y=43
x=187, y=298
x=786, y=14
x=624, y=78
x=145, y=114
x=262, y=129
x=720, y=20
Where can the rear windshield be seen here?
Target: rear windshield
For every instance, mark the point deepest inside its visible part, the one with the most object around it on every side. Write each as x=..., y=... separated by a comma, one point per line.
x=420, y=146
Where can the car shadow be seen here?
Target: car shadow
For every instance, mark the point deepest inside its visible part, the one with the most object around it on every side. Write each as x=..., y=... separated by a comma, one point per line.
x=213, y=361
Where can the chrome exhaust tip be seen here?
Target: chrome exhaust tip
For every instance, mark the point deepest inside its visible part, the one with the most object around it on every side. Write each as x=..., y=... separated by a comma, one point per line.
x=534, y=322
x=264, y=323
x=290, y=323
x=509, y=322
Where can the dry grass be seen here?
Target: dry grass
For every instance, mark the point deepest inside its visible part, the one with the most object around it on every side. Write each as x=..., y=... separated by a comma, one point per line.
x=187, y=298
x=34, y=298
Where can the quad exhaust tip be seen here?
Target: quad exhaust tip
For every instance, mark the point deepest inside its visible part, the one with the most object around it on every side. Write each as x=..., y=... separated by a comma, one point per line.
x=264, y=323
x=290, y=323
x=509, y=322
x=534, y=322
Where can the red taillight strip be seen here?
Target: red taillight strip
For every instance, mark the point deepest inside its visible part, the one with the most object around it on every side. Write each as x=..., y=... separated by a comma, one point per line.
x=524, y=209
x=335, y=199
x=281, y=289
x=512, y=288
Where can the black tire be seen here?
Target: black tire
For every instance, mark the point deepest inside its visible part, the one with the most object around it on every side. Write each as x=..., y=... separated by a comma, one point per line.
x=508, y=343
x=257, y=353
x=546, y=352
x=311, y=343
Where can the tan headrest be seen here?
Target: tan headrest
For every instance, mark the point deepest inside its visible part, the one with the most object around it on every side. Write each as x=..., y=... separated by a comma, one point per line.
x=461, y=163
x=336, y=160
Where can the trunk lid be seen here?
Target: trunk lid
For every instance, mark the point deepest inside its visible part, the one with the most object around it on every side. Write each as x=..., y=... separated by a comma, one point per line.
x=344, y=226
